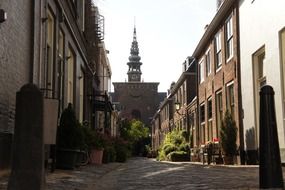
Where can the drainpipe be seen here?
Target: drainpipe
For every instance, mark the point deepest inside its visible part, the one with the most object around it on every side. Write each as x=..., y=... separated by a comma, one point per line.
x=240, y=116
x=32, y=44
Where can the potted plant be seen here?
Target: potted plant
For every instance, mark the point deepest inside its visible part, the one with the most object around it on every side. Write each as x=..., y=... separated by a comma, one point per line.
x=69, y=139
x=96, y=146
x=228, y=135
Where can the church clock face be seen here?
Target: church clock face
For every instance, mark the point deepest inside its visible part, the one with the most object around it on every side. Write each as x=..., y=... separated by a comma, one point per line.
x=134, y=77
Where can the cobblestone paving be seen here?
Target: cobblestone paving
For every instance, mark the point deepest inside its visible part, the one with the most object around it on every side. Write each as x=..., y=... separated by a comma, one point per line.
x=148, y=174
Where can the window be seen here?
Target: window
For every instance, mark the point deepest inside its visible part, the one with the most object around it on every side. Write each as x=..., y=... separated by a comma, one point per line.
x=60, y=66
x=210, y=120
x=219, y=111
x=209, y=105
x=208, y=62
x=202, y=113
x=60, y=44
x=229, y=38
x=282, y=45
x=70, y=75
x=184, y=93
x=230, y=99
x=49, y=69
x=218, y=50
x=261, y=69
x=202, y=123
x=202, y=133
x=259, y=73
x=201, y=71
x=81, y=96
x=83, y=15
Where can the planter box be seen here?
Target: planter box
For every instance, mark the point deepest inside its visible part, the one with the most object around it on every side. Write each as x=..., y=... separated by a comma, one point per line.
x=96, y=156
x=66, y=158
x=228, y=160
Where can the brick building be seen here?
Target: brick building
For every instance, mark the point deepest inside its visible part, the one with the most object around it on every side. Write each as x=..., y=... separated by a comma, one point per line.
x=211, y=86
x=177, y=111
x=16, y=57
x=136, y=99
x=57, y=45
x=218, y=74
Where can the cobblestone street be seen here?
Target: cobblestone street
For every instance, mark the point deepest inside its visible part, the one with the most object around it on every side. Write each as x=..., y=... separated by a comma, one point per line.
x=140, y=173
x=148, y=174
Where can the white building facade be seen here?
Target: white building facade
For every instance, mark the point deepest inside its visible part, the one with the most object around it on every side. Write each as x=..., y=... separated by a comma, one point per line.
x=262, y=59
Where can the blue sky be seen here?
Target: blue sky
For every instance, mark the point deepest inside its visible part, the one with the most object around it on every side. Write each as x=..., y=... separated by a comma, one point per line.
x=167, y=32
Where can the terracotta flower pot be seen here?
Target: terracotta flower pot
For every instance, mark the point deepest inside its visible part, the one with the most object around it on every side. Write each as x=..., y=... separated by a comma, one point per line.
x=228, y=160
x=96, y=156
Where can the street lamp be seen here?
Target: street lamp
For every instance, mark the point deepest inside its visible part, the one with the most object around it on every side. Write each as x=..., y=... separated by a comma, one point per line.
x=177, y=107
x=3, y=15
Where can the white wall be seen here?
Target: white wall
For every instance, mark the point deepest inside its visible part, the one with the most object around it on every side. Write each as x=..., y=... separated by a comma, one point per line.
x=260, y=23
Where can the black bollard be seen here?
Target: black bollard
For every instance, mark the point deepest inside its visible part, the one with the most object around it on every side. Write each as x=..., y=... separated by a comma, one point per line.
x=28, y=146
x=270, y=170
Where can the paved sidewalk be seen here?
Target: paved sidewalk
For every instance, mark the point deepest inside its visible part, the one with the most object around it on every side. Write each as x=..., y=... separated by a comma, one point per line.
x=81, y=178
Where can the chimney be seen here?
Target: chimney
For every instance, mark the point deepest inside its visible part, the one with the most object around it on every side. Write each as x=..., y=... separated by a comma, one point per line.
x=206, y=27
x=219, y=3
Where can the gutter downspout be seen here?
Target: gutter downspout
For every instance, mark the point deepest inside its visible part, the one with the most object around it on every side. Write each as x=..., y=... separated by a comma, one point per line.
x=241, y=132
x=32, y=45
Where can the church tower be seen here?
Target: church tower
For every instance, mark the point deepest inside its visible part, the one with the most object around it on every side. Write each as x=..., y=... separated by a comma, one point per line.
x=134, y=72
x=136, y=99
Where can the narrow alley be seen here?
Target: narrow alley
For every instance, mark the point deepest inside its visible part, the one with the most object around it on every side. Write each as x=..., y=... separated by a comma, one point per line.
x=148, y=174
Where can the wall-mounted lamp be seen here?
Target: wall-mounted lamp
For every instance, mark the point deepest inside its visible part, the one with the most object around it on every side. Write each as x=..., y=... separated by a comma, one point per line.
x=3, y=15
x=177, y=108
x=67, y=58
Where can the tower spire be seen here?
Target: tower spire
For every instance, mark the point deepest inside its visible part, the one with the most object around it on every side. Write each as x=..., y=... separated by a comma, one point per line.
x=134, y=72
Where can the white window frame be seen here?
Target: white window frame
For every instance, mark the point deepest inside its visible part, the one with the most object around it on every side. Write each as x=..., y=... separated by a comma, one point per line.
x=229, y=39
x=70, y=75
x=81, y=96
x=210, y=120
x=219, y=115
x=202, y=124
x=218, y=51
x=201, y=71
x=228, y=98
x=208, y=62
x=49, y=79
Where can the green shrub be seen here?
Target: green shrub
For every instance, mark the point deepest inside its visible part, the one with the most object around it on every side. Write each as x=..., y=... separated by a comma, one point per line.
x=122, y=151
x=178, y=156
x=174, y=141
x=161, y=156
x=228, y=135
x=109, y=154
x=168, y=148
x=184, y=147
x=184, y=134
x=69, y=135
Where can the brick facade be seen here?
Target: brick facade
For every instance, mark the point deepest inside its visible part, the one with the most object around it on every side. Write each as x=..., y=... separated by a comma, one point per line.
x=221, y=78
x=15, y=62
x=137, y=99
x=30, y=52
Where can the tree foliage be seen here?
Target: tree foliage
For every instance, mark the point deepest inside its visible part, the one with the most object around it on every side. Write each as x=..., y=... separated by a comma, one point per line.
x=228, y=135
x=136, y=133
x=174, y=142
